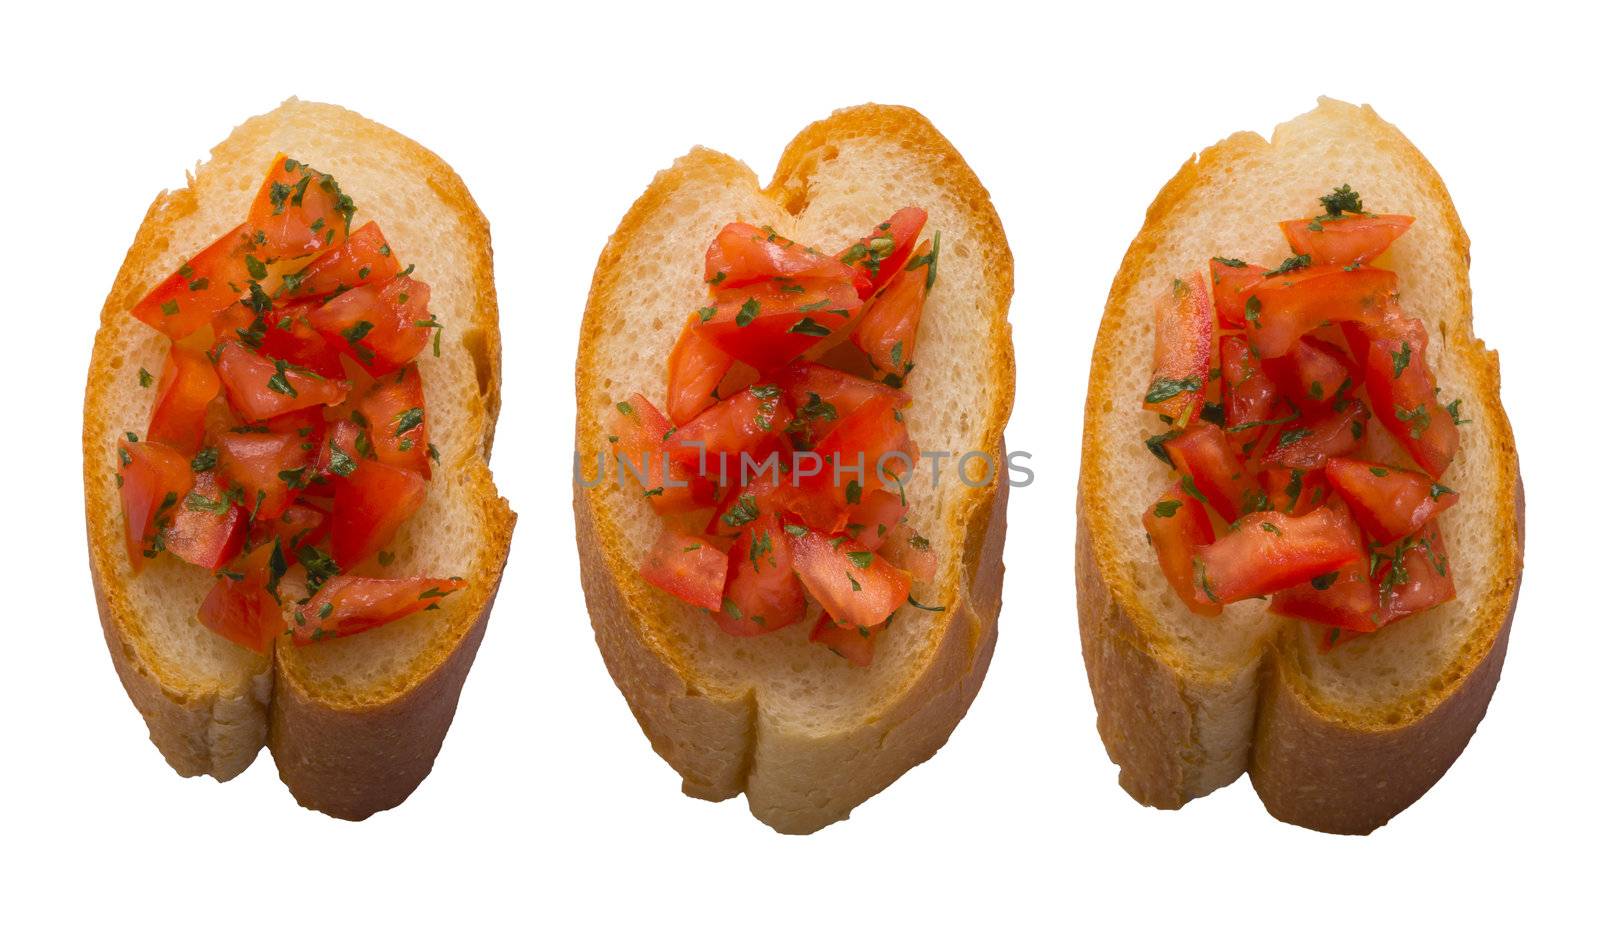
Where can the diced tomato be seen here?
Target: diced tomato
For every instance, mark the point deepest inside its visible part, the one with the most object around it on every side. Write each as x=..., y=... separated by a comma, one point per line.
x=908, y=550
x=1282, y=308
x=200, y=288
x=1229, y=278
x=297, y=211
x=207, y=529
x=694, y=369
x=642, y=461
x=855, y=644
x=820, y=396
x=852, y=584
x=1353, y=238
x=1248, y=394
x=188, y=385
x=772, y=322
x=1422, y=579
x=742, y=504
x=240, y=606
x=688, y=567
x=268, y=469
x=339, y=452
x=887, y=333
x=1315, y=374
x=396, y=416
x=1309, y=443
x=1185, y=324
x=345, y=605
x=152, y=480
x=1178, y=526
x=868, y=450
x=362, y=260
x=876, y=256
x=381, y=327
x=1268, y=552
x=762, y=592
x=288, y=335
x=1388, y=503
x=261, y=388
x=715, y=443
x=871, y=521
x=742, y=254
x=1213, y=470
x=1404, y=394
x=369, y=506
x=1343, y=597
x=1294, y=491
x=298, y=527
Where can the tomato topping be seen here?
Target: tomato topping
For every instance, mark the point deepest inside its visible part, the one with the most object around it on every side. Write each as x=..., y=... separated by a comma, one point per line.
x=187, y=387
x=1315, y=373
x=1248, y=394
x=1404, y=393
x=369, y=505
x=716, y=443
x=339, y=451
x=872, y=520
x=820, y=396
x=853, y=585
x=298, y=527
x=742, y=254
x=298, y=211
x=152, y=480
x=241, y=606
x=1268, y=552
x=1229, y=278
x=642, y=461
x=286, y=333
x=852, y=643
x=1213, y=472
x=1184, y=324
x=200, y=288
x=879, y=254
x=1344, y=240
x=694, y=369
x=347, y=605
x=1285, y=306
x=364, y=259
x=261, y=388
x=688, y=567
x=1178, y=526
x=772, y=322
x=887, y=332
x=868, y=450
x=207, y=529
x=396, y=417
x=908, y=550
x=1343, y=597
x=1308, y=444
x=1387, y=502
x=1414, y=576
x=267, y=469
x=1294, y=491
x=381, y=327
x=762, y=592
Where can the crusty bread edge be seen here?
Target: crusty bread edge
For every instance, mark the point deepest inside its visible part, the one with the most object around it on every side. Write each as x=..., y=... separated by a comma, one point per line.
x=711, y=739
x=1313, y=764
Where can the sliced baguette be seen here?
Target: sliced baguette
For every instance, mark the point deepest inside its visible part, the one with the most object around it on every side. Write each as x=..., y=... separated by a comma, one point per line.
x=804, y=735
x=353, y=724
x=1341, y=741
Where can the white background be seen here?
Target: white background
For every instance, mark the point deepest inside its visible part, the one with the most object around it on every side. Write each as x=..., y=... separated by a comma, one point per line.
x=547, y=801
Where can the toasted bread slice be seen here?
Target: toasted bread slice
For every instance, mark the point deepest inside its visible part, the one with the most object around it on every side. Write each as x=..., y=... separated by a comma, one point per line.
x=802, y=733
x=354, y=724
x=1338, y=741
